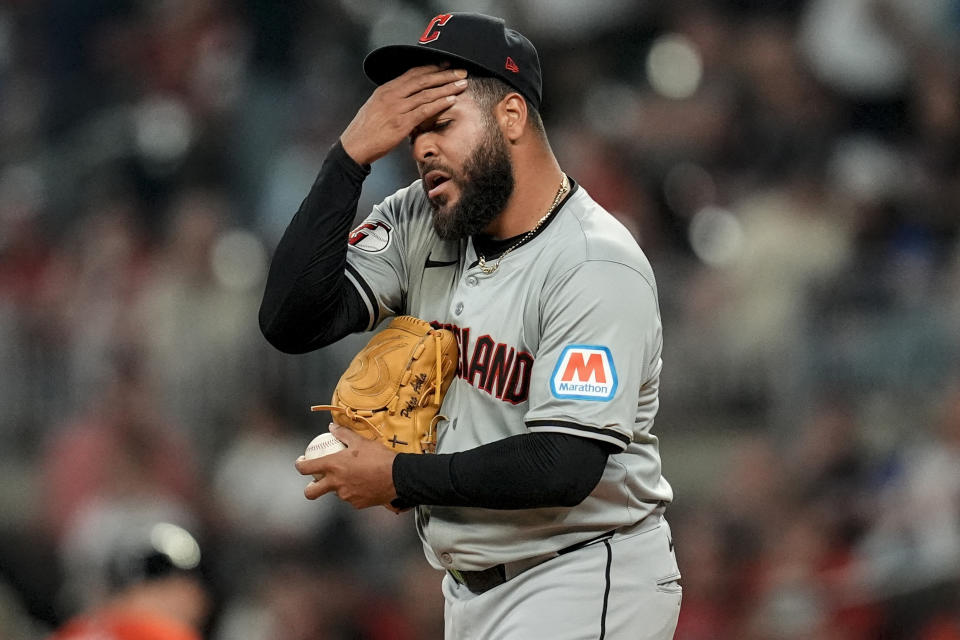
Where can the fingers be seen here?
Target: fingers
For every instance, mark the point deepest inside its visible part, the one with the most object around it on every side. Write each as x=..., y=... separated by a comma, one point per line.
x=317, y=488
x=397, y=107
x=312, y=466
x=430, y=102
x=432, y=94
x=425, y=87
x=431, y=98
x=419, y=79
x=316, y=467
x=345, y=435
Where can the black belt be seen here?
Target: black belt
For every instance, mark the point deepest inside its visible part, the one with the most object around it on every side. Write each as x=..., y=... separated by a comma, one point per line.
x=480, y=581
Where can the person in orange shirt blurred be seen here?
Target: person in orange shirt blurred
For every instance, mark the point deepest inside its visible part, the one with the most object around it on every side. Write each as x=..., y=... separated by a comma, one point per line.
x=157, y=593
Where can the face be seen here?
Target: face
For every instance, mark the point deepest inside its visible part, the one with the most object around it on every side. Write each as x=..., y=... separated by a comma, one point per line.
x=466, y=169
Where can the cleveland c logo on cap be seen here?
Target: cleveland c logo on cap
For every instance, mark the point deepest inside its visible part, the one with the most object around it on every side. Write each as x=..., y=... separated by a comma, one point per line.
x=431, y=33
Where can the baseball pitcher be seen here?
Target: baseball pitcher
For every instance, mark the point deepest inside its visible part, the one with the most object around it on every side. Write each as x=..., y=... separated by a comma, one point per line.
x=543, y=499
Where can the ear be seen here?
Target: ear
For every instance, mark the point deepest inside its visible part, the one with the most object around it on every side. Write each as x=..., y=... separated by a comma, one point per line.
x=512, y=116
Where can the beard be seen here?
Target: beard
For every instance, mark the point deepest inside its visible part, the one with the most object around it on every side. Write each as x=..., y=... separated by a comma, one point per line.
x=485, y=186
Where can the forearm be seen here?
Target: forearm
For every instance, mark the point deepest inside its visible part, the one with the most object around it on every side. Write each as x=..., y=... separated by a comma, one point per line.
x=308, y=302
x=521, y=472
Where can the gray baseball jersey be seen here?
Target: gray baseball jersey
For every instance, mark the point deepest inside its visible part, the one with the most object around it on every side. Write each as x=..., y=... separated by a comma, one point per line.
x=565, y=336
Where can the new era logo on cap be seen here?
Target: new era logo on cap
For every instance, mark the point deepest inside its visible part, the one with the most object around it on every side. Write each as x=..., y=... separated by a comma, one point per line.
x=482, y=44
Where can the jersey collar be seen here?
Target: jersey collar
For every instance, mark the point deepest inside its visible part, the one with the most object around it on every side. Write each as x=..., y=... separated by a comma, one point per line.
x=491, y=248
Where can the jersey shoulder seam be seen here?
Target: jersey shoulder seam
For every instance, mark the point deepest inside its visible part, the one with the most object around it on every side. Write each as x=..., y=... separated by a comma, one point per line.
x=578, y=215
x=586, y=259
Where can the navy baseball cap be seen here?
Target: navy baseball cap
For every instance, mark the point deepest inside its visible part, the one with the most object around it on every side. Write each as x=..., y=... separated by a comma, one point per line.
x=480, y=43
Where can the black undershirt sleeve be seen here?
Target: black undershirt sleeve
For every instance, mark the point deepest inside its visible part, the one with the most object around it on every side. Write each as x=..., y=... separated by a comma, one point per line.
x=308, y=302
x=520, y=472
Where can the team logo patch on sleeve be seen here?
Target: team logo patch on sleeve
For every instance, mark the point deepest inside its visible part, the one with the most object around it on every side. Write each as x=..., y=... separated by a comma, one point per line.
x=372, y=237
x=584, y=372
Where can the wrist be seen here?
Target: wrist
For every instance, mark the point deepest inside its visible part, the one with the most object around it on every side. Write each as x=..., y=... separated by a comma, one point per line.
x=401, y=501
x=355, y=152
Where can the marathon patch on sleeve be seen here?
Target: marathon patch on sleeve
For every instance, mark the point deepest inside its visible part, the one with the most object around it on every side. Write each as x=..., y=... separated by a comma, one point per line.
x=372, y=236
x=584, y=372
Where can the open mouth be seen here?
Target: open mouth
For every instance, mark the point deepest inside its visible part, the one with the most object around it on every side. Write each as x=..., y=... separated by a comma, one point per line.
x=434, y=181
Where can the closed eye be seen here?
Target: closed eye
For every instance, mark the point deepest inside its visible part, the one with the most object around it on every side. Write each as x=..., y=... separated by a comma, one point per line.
x=439, y=125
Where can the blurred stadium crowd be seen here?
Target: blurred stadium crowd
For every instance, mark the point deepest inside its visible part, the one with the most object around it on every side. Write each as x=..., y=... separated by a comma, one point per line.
x=791, y=168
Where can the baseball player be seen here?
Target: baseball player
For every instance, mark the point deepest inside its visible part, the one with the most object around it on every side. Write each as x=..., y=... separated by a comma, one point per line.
x=544, y=502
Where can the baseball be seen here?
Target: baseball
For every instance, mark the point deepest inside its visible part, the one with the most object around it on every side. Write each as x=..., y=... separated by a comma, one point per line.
x=323, y=445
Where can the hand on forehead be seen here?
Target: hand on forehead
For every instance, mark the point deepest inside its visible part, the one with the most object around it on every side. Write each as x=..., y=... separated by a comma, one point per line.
x=397, y=106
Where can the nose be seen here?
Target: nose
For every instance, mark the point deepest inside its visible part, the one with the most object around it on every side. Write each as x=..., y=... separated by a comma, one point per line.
x=424, y=146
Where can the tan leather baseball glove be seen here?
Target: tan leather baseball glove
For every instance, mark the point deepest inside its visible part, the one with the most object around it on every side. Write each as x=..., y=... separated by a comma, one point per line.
x=393, y=388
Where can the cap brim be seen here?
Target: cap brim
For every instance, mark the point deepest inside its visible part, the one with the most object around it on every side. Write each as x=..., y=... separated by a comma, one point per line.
x=386, y=63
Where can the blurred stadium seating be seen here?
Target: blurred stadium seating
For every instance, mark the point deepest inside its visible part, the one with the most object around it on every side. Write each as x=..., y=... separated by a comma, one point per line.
x=791, y=168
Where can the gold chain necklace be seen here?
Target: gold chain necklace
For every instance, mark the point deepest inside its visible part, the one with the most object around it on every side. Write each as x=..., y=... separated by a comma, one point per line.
x=529, y=234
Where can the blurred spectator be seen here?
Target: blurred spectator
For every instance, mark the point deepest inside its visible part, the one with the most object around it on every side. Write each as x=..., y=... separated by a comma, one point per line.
x=122, y=447
x=195, y=318
x=914, y=540
x=258, y=493
x=15, y=620
x=749, y=314
x=153, y=588
x=711, y=578
x=26, y=249
x=297, y=599
x=93, y=281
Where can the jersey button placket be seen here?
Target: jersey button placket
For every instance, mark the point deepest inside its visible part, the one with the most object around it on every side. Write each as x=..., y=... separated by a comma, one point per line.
x=470, y=281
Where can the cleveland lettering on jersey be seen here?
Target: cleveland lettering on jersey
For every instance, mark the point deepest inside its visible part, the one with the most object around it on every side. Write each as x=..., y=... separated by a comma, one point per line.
x=501, y=370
